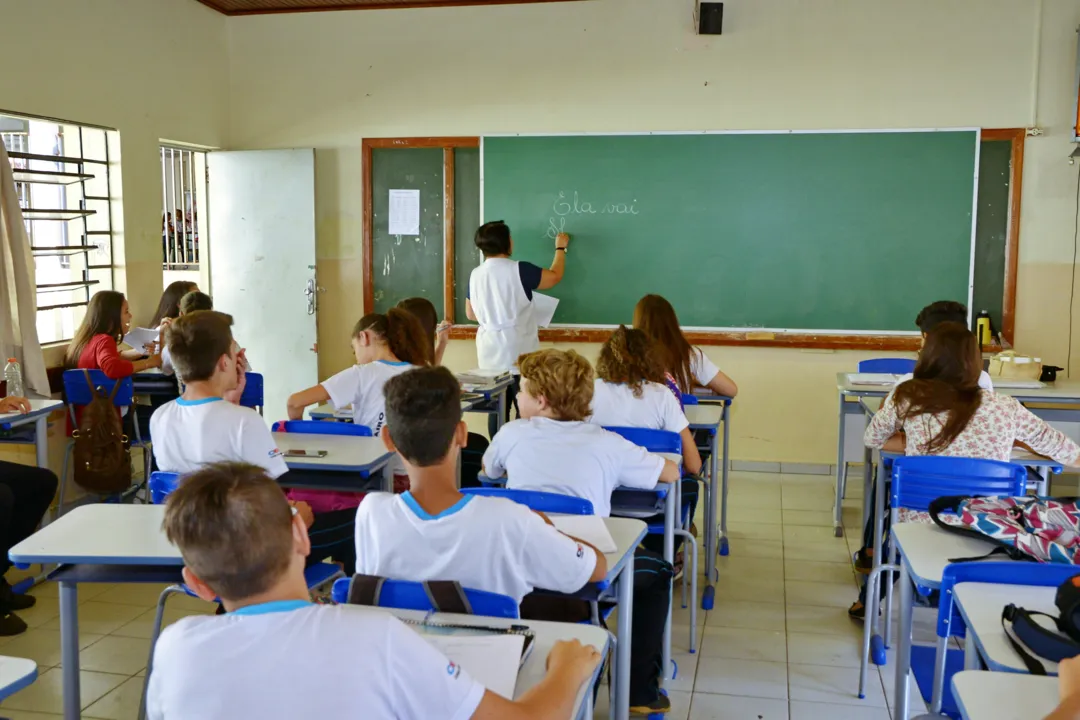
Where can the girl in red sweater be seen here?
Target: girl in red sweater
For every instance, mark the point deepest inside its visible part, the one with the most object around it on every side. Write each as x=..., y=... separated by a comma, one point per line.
x=95, y=346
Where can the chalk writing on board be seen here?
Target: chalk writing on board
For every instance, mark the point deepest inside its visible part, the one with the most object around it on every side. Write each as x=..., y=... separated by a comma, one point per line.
x=563, y=206
x=555, y=227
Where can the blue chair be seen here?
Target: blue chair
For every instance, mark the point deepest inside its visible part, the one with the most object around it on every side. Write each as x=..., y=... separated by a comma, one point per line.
x=252, y=396
x=890, y=366
x=544, y=502
x=404, y=595
x=665, y=441
x=916, y=482
x=78, y=394
x=689, y=399
x=319, y=427
x=951, y=623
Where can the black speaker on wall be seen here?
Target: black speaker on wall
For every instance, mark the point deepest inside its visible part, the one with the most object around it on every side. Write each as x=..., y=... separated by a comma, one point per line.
x=710, y=18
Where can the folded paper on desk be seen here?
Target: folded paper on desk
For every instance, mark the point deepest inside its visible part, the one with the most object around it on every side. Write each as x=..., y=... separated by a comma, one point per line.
x=589, y=528
x=139, y=338
x=482, y=378
x=491, y=660
x=878, y=379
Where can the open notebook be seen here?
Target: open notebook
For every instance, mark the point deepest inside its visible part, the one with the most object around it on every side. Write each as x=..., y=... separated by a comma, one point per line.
x=491, y=656
x=589, y=528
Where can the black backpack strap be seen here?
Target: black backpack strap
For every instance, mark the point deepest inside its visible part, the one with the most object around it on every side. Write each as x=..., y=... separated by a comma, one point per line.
x=365, y=590
x=952, y=504
x=1010, y=613
x=448, y=597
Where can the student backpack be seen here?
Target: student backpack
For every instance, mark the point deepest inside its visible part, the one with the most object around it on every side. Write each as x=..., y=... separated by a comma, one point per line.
x=1042, y=642
x=102, y=450
x=1023, y=528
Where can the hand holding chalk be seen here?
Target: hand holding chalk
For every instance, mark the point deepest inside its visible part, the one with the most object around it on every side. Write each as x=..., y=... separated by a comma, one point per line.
x=562, y=240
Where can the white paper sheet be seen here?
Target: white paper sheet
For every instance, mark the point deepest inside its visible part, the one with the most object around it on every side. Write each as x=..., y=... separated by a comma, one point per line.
x=544, y=308
x=1007, y=384
x=139, y=338
x=589, y=528
x=883, y=379
x=404, y=212
x=491, y=660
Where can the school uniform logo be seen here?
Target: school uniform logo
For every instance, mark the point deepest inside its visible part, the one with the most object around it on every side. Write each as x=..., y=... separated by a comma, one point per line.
x=580, y=551
x=453, y=670
x=275, y=453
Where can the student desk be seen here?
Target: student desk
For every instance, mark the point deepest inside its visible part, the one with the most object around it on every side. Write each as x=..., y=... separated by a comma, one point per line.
x=38, y=434
x=361, y=456
x=923, y=552
x=327, y=412
x=980, y=604
x=15, y=674
x=495, y=400
x=995, y=696
x=535, y=667
x=709, y=417
x=98, y=543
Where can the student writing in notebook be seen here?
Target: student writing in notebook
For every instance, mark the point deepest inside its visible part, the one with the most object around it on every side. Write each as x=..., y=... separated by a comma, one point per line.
x=275, y=654
x=499, y=298
x=551, y=448
x=203, y=426
x=433, y=532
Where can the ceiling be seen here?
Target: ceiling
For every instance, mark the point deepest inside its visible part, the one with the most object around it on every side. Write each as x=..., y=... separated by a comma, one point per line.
x=257, y=7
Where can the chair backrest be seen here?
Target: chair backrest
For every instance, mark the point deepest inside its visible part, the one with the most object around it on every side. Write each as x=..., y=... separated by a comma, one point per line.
x=77, y=392
x=319, y=427
x=892, y=366
x=657, y=441
x=918, y=481
x=161, y=485
x=689, y=399
x=404, y=595
x=544, y=502
x=252, y=397
x=1000, y=573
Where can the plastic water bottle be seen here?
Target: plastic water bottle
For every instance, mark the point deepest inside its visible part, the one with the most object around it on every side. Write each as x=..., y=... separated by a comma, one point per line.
x=13, y=376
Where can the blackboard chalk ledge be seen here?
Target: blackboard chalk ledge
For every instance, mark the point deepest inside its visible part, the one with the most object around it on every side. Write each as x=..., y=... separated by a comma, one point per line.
x=748, y=338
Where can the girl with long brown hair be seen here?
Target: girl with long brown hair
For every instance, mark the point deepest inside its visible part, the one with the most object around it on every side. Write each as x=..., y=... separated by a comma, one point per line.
x=95, y=345
x=629, y=392
x=438, y=333
x=169, y=305
x=688, y=366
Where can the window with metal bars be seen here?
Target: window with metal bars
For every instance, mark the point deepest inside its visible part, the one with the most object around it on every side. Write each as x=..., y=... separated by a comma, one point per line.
x=183, y=172
x=62, y=174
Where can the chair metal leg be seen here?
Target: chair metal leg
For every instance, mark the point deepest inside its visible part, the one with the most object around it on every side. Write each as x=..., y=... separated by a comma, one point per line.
x=159, y=618
x=938, y=692
x=872, y=581
x=63, y=479
x=889, y=596
x=690, y=540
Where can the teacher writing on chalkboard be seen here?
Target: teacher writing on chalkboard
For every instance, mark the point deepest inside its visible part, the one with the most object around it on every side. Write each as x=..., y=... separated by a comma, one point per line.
x=500, y=299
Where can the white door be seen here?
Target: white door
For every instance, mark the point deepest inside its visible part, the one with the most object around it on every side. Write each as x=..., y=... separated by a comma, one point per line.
x=262, y=263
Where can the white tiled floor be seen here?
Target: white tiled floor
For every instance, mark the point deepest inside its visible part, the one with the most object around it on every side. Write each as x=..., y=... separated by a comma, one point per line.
x=777, y=646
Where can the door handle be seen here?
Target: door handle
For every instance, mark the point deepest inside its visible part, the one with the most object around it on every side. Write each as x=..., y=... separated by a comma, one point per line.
x=309, y=292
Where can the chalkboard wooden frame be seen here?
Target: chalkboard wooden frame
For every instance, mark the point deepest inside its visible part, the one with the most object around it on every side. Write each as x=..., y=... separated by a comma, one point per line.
x=807, y=340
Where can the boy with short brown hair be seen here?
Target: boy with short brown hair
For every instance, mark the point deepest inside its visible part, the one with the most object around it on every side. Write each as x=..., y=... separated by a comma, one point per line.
x=277, y=655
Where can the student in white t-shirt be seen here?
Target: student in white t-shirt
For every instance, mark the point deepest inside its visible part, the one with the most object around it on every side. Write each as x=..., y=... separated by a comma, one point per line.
x=193, y=301
x=688, y=366
x=551, y=448
x=433, y=532
x=384, y=346
x=275, y=654
x=499, y=298
x=207, y=425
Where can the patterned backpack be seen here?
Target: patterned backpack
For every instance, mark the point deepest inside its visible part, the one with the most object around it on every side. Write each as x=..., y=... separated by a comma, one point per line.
x=1024, y=528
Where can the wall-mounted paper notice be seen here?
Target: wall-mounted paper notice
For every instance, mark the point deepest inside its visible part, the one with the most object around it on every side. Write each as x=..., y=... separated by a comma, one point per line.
x=404, y=212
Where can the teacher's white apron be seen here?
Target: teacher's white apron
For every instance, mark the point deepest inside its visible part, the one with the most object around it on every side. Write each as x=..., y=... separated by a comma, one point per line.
x=504, y=311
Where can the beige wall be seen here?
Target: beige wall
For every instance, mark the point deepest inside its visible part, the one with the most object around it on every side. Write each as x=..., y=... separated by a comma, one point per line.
x=151, y=69
x=328, y=80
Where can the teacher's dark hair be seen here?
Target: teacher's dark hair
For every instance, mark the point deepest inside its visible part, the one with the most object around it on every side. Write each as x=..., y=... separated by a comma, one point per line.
x=493, y=238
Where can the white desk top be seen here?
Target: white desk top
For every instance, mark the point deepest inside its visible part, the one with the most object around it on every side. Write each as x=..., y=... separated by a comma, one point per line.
x=627, y=534
x=37, y=409
x=981, y=605
x=1065, y=391
x=704, y=416
x=1001, y=696
x=345, y=453
x=547, y=634
x=926, y=550
x=346, y=413
x=105, y=534
x=15, y=674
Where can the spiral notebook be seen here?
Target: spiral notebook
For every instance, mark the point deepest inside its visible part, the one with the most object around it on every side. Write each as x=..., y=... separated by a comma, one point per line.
x=487, y=654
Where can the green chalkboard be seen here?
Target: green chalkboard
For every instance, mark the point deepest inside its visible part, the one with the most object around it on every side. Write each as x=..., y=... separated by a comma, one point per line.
x=405, y=265
x=809, y=231
x=466, y=220
x=991, y=228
